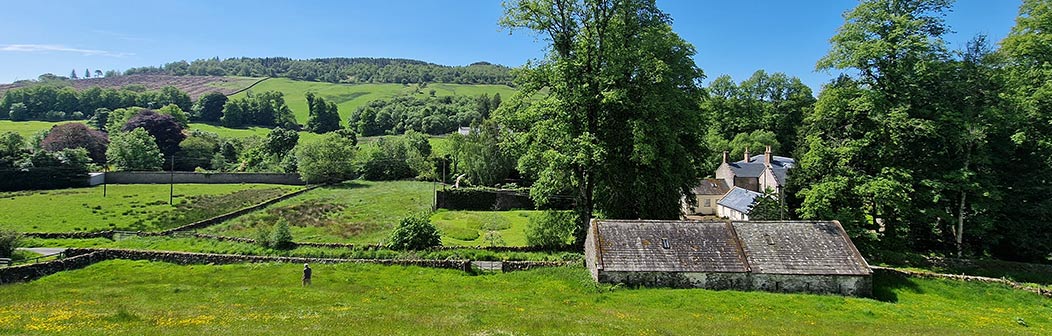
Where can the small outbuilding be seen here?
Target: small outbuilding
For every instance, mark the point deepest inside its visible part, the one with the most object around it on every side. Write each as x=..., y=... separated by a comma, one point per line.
x=736, y=204
x=776, y=256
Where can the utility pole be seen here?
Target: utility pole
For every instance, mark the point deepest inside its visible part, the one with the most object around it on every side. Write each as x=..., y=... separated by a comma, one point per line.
x=171, y=181
x=105, y=171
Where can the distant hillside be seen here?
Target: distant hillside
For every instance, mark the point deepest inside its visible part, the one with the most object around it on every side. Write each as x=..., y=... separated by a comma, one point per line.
x=195, y=86
x=338, y=70
x=350, y=97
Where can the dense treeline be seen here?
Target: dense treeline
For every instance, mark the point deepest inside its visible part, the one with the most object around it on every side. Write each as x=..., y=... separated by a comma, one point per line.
x=431, y=115
x=55, y=103
x=920, y=148
x=338, y=70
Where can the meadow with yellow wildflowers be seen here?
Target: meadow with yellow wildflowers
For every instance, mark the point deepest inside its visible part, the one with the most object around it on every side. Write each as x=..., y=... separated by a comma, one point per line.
x=140, y=297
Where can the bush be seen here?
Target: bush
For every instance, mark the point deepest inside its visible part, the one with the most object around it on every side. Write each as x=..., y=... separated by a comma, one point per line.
x=9, y=241
x=415, y=232
x=281, y=237
x=551, y=229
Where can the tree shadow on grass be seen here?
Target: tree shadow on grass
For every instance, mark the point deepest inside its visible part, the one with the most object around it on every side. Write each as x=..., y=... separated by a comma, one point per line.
x=346, y=185
x=886, y=286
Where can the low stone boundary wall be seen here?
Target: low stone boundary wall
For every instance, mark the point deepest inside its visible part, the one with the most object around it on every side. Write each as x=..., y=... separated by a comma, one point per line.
x=967, y=278
x=512, y=266
x=109, y=234
x=163, y=177
x=32, y=272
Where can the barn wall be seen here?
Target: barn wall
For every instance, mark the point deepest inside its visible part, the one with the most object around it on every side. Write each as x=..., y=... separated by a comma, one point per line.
x=590, y=252
x=736, y=281
x=780, y=283
x=819, y=284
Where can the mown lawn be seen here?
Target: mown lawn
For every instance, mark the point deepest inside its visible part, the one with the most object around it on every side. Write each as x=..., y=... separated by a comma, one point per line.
x=136, y=207
x=352, y=212
x=471, y=228
x=139, y=297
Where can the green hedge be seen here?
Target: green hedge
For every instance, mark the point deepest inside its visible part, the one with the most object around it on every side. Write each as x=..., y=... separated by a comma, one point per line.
x=493, y=200
x=41, y=179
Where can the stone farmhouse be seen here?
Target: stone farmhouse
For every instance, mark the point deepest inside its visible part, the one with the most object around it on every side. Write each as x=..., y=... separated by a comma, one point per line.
x=738, y=183
x=776, y=256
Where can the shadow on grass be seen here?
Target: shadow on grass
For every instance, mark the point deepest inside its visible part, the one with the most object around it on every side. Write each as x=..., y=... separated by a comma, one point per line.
x=347, y=185
x=886, y=286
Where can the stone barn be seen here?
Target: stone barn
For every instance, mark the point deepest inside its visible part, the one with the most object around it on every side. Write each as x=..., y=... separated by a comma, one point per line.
x=777, y=256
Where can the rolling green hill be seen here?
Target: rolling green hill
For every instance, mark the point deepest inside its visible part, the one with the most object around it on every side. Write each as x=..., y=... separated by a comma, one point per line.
x=349, y=96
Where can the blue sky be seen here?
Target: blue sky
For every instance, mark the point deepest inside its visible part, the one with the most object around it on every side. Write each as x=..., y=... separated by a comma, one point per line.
x=732, y=37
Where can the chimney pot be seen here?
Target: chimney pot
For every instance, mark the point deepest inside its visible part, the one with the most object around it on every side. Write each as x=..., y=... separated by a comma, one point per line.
x=746, y=154
x=726, y=156
x=767, y=156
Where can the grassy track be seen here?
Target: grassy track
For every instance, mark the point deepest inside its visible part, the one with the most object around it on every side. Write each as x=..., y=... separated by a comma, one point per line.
x=139, y=297
x=127, y=206
x=349, y=96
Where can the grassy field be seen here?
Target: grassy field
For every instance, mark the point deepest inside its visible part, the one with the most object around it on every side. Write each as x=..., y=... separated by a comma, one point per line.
x=226, y=247
x=127, y=206
x=354, y=212
x=27, y=128
x=349, y=96
x=470, y=228
x=365, y=212
x=139, y=297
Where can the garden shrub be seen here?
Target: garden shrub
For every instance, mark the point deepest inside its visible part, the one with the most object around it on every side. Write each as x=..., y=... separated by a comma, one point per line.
x=415, y=232
x=551, y=229
x=281, y=236
x=9, y=241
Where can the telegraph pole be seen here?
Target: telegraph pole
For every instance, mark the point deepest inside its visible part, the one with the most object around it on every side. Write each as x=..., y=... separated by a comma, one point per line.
x=171, y=181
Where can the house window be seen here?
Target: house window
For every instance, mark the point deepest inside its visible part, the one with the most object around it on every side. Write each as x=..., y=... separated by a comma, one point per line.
x=708, y=203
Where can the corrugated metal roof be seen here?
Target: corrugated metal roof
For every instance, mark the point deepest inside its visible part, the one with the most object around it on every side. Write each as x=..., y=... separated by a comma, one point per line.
x=739, y=199
x=799, y=247
x=711, y=187
x=694, y=246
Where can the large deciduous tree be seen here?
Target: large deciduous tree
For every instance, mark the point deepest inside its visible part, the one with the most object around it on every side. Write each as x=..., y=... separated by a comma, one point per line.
x=209, y=107
x=326, y=160
x=164, y=128
x=77, y=135
x=615, y=119
x=322, y=116
x=135, y=150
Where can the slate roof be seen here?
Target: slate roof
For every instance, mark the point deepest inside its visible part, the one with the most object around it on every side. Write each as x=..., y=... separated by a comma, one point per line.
x=739, y=199
x=799, y=247
x=711, y=187
x=754, y=168
x=694, y=246
x=762, y=247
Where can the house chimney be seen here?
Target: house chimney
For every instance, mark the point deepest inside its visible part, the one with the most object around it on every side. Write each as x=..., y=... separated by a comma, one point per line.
x=767, y=156
x=726, y=156
x=746, y=154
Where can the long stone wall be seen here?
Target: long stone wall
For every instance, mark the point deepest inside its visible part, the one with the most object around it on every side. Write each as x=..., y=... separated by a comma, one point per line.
x=32, y=272
x=162, y=177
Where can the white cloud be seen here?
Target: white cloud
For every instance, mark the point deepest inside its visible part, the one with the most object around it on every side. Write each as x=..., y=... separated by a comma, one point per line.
x=59, y=48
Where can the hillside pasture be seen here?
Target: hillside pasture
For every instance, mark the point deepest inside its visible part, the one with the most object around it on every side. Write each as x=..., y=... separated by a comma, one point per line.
x=470, y=228
x=195, y=86
x=349, y=97
x=141, y=297
x=28, y=128
x=351, y=212
x=134, y=207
